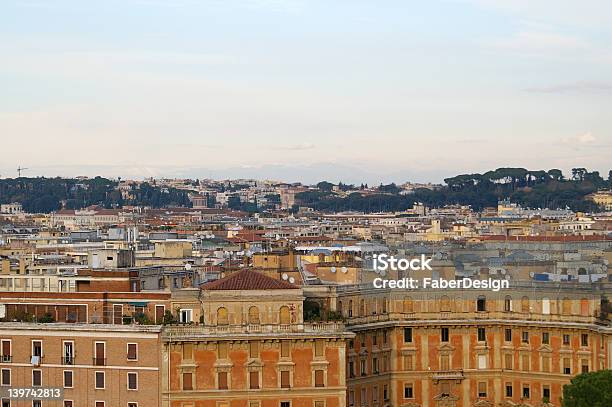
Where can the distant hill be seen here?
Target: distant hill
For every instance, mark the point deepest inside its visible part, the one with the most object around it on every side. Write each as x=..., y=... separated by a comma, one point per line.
x=49, y=194
x=534, y=189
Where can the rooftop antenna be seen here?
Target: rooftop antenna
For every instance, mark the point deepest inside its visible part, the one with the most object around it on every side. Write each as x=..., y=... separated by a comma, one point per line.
x=19, y=169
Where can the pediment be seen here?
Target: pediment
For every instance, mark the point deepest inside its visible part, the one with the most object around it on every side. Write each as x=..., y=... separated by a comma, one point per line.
x=545, y=348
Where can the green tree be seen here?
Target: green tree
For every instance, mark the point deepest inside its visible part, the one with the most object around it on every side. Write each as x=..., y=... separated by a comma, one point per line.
x=589, y=390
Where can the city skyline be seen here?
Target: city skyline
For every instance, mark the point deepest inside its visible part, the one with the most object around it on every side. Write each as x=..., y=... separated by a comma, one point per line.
x=304, y=91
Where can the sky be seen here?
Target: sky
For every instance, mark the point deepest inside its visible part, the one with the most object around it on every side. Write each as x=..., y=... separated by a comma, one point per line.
x=297, y=90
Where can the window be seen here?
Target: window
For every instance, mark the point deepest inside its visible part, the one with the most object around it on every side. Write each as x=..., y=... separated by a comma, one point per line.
x=99, y=380
x=6, y=351
x=99, y=404
x=482, y=361
x=351, y=369
x=285, y=380
x=444, y=335
x=385, y=392
x=525, y=337
x=362, y=367
x=100, y=352
x=407, y=335
x=36, y=350
x=566, y=339
x=132, y=379
x=187, y=381
x=222, y=380
x=68, y=403
x=482, y=389
x=546, y=393
x=567, y=366
x=408, y=362
x=254, y=380
x=584, y=365
x=481, y=304
x=508, y=335
x=132, y=351
x=285, y=404
x=482, y=337
x=508, y=304
x=545, y=338
x=36, y=378
x=584, y=340
x=508, y=361
x=6, y=377
x=319, y=378
x=68, y=379
x=525, y=362
x=408, y=391
x=526, y=392
x=68, y=355
x=185, y=316
x=6, y=403
x=36, y=403
x=375, y=365
x=508, y=390
x=253, y=315
x=284, y=315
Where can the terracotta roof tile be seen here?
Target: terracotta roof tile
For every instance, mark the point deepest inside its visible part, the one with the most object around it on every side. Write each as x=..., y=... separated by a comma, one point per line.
x=248, y=279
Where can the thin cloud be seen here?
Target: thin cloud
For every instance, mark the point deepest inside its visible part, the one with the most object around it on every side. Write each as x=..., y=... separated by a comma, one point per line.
x=578, y=87
x=296, y=147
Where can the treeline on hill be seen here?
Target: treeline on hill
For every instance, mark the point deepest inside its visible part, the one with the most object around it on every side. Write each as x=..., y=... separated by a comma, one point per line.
x=533, y=189
x=43, y=195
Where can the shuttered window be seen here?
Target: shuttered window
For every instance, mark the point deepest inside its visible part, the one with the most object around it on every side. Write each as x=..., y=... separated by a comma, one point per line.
x=319, y=378
x=285, y=379
x=187, y=381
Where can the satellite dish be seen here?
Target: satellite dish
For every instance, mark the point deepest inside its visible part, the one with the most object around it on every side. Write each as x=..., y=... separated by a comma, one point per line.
x=285, y=276
x=291, y=280
x=187, y=266
x=531, y=274
x=344, y=270
x=333, y=269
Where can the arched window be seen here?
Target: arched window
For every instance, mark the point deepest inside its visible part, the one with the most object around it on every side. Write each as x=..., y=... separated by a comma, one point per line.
x=445, y=304
x=481, y=304
x=525, y=304
x=284, y=315
x=254, y=315
x=408, y=305
x=222, y=316
x=508, y=304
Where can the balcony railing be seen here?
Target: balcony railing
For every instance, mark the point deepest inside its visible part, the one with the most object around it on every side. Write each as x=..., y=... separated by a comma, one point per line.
x=185, y=331
x=67, y=360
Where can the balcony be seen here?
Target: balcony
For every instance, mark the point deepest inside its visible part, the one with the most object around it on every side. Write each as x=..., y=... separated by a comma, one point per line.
x=178, y=332
x=7, y=358
x=455, y=374
x=67, y=360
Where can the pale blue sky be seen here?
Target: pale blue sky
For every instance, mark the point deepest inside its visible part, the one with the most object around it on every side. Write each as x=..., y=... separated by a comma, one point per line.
x=381, y=90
